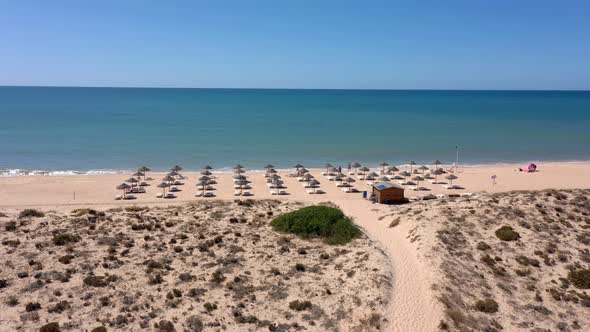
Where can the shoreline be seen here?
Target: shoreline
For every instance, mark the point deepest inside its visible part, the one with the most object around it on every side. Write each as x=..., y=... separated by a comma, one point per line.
x=13, y=172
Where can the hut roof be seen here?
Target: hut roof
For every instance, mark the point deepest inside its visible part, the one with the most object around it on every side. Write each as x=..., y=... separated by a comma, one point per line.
x=386, y=185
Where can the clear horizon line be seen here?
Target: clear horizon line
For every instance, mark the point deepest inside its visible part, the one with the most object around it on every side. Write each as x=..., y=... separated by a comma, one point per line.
x=279, y=88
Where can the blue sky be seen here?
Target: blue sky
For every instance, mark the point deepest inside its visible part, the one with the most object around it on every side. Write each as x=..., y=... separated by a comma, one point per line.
x=297, y=44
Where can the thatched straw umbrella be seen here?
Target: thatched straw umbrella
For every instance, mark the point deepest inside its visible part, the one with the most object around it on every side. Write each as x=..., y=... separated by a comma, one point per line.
x=314, y=185
x=124, y=187
x=269, y=166
x=412, y=164
x=133, y=181
x=238, y=166
x=176, y=168
x=436, y=163
x=144, y=170
x=168, y=178
x=298, y=166
x=307, y=176
x=364, y=169
x=383, y=179
x=172, y=173
x=436, y=173
x=383, y=164
x=241, y=183
x=207, y=167
x=372, y=175
x=239, y=171
x=163, y=185
x=405, y=174
x=138, y=174
x=202, y=184
x=348, y=179
x=205, y=172
x=273, y=177
x=277, y=183
x=204, y=178
x=423, y=168
x=328, y=166
x=451, y=177
x=418, y=178
x=355, y=165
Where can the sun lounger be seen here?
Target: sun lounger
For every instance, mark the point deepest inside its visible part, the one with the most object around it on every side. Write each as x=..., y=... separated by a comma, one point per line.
x=349, y=190
x=370, y=183
x=310, y=191
x=199, y=194
x=144, y=184
x=441, y=196
x=178, y=183
x=209, y=194
x=280, y=192
x=407, y=183
x=247, y=193
x=237, y=192
x=174, y=189
x=169, y=196
x=118, y=197
x=467, y=195
x=129, y=197
x=453, y=187
x=159, y=195
x=419, y=188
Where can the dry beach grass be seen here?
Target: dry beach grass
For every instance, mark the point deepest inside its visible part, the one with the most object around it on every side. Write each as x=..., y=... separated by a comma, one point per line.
x=210, y=265
x=507, y=261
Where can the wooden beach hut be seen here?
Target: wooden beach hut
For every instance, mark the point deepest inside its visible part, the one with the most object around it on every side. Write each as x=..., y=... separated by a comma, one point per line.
x=388, y=193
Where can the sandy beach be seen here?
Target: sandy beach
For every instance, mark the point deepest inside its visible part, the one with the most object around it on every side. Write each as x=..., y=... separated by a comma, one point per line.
x=413, y=301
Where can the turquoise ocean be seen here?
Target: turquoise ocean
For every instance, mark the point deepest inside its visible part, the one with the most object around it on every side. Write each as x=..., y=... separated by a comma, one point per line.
x=112, y=129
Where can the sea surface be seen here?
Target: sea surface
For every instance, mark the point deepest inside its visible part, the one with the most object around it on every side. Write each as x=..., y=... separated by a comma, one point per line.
x=110, y=129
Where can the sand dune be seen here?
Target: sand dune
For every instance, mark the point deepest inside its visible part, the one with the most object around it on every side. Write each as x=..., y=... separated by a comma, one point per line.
x=414, y=305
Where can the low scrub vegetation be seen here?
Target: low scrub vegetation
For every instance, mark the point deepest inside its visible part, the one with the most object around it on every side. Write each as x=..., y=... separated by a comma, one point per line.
x=31, y=213
x=506, y=233
x=323, y=222
x=580, y=278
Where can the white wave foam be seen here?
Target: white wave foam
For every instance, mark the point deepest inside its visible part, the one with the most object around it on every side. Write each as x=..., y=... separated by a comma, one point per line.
x=27, y=172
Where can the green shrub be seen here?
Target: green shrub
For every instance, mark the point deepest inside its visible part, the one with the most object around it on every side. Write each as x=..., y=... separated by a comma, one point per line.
x=580, y=278
x=506, y=233
x=488, y=306
x=65, y=238
x=135, y=208
x=299, y=305
x=483, y=246
x=31, y=213
x=324, y=222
